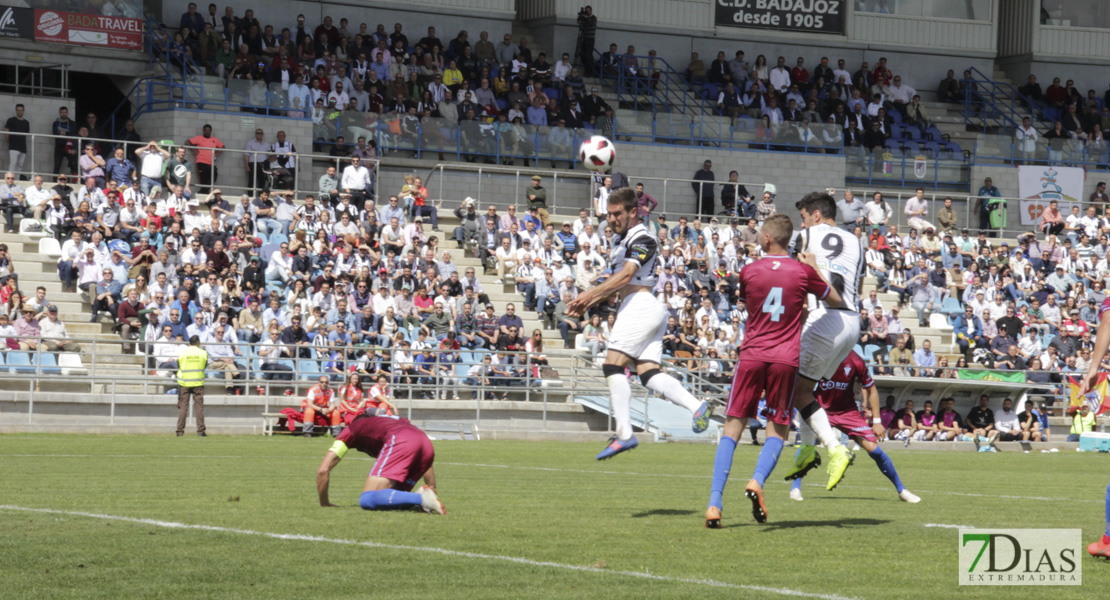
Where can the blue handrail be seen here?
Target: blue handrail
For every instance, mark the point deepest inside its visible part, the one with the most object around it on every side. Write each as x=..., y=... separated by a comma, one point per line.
x=994, y=100
x=656, y=89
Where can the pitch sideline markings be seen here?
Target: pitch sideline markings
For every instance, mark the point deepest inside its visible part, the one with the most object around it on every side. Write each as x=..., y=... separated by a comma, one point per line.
x=431, y=550
x=947, y=526
x=558, y=470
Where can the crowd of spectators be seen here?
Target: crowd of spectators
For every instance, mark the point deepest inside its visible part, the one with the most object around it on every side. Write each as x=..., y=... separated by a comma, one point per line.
x=981, y=424
x=344, y=77
x=1078, y=123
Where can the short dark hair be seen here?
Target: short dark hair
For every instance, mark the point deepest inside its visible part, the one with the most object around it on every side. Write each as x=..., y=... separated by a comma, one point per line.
x=817, y=202
x=625, y=198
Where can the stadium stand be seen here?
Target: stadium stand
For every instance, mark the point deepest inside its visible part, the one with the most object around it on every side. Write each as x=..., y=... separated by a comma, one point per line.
x=375, y=296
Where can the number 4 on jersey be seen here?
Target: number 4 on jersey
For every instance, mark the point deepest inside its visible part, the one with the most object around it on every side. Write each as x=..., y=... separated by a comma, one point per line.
x=773, y=304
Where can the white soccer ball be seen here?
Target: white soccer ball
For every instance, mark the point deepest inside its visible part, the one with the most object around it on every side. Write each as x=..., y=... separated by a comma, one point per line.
x=597, y=154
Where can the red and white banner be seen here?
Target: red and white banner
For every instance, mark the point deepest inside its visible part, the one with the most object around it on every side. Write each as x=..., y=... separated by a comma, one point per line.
x=88, y=30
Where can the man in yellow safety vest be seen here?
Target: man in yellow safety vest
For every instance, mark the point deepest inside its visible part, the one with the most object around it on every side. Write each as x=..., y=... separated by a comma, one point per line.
x=191, y=363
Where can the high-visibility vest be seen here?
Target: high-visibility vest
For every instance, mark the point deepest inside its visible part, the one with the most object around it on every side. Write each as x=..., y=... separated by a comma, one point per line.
x=190, y=367
x=1081, y=424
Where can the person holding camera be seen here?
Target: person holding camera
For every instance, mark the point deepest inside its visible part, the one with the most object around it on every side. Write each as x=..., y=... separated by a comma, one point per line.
x=587, y=32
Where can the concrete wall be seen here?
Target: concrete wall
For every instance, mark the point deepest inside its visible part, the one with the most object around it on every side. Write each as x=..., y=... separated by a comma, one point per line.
x=41, y=112
x=923, y=71
x=234, y=130
x=447, y=16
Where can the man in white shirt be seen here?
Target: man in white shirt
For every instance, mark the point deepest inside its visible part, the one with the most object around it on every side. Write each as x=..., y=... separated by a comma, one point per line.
x=1007, y=425
x=255, y=159
x=872, y=302
x=900, y=94
x=780, y=76
x=587, y=254
x=194, y=254
x=211, y=289
x=324, y=299
x=151, y=160
x=506, y=259
x=356, y=180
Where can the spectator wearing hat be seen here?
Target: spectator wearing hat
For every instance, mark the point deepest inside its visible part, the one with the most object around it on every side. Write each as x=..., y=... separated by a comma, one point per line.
x=28, y=330
x=536, y=196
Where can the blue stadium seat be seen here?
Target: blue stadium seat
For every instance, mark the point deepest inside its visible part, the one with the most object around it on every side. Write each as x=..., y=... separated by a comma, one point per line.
x=309, y=368
x=277, y=239
x=869, y=352
x=19, y=362
x=896, y=132
x=933, y=134
x=897, y=116
x=47, y=363
x=951, y=306
x=932, y=149
x=911, y=132
x=502, y=104
x=552, y=93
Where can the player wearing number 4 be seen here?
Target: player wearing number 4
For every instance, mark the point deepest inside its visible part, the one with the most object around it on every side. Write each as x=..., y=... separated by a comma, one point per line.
x=637, y=336
x=837, y=397
x=768, y=365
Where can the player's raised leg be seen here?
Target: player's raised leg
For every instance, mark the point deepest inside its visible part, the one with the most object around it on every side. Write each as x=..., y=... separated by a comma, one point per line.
x=620, y=400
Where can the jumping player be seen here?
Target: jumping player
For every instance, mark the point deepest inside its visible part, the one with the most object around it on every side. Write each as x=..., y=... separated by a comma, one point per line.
x=775, y=289
x=1090, y=380
x=829, y=333
x=404, y=455
x=836, y=396
x=637, y=336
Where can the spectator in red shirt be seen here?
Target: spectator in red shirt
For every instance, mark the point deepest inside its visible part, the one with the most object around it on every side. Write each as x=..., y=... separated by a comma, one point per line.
x=799, y=74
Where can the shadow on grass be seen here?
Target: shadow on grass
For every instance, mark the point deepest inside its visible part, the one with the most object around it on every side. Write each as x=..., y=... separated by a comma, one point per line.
x=665, y=512
x=838, y=523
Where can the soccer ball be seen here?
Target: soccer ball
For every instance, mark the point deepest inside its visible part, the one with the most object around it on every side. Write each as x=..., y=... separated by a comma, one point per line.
x=597, y=154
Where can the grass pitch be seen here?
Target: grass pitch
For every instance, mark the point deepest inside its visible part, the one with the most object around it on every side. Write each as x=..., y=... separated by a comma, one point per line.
x=524, y=520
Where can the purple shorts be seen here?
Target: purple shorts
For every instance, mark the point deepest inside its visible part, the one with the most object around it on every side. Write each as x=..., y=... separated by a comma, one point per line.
x=852, y=423
x=404, y=458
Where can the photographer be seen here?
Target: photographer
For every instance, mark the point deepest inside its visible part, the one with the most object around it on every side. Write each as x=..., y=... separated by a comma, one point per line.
x=587, y=31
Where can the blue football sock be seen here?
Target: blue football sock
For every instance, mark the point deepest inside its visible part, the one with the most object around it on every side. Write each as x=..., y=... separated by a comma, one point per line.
x=1108, y=510
x=768, y=458
x=797, y=485
x=388, y=500
x=721, y=467
x=886, y=466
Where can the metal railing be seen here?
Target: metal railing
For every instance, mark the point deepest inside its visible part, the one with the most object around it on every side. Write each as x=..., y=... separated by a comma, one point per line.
x=563, y=185
x=43, y=146
x=37, y=79
x=881, y=167
x=1072, y=152
x=993, y=104
x=659, y=88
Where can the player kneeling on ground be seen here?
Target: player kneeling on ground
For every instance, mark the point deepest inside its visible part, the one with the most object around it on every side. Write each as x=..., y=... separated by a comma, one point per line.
x=768, y=367
x=837, y=398
x=404, y=455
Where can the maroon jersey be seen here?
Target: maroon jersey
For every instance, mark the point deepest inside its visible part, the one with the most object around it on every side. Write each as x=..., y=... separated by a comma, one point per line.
x=370, y=434
x=835, y=395
x=774, y=289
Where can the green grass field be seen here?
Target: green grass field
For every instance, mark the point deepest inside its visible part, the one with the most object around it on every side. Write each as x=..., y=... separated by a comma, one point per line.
x=525, y=520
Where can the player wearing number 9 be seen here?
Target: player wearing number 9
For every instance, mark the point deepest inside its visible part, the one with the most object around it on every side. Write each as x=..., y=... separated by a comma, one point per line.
x=768, y=364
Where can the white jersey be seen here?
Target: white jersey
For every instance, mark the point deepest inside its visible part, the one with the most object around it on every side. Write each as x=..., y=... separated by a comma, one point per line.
x=840, y=256
x=638, y=246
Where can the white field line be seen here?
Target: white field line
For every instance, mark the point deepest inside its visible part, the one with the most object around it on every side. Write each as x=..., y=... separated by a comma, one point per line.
x=556, y=470
x=947, y=526
x=432, y=550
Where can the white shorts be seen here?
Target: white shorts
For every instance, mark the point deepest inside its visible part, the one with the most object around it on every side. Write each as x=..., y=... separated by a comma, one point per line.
x=638, y=332
x=827, y=339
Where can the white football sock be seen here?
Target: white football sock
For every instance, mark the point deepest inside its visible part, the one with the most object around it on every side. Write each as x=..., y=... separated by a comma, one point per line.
x=808, y=438
x=819, y=423
x=673, y=391
x=620, y=394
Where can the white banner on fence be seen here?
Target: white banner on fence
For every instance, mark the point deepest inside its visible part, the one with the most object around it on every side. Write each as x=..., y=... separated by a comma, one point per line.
x=1039, y=185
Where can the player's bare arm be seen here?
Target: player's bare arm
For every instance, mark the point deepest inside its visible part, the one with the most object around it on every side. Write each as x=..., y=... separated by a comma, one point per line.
x=833, y=300
x=876, y=423
x=1102, y=339
x=598, y=294
x=323, y=477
